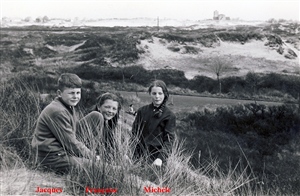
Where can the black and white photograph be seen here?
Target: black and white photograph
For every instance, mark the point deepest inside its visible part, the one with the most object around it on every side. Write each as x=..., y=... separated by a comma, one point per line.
x=140, y=97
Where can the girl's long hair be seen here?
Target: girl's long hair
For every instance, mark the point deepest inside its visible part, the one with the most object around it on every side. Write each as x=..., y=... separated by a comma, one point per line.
x=112, y=123
x=159, y=83
x=162, y=85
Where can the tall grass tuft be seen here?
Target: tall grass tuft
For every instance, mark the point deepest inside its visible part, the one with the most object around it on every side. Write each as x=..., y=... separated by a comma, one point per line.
x=19, y=108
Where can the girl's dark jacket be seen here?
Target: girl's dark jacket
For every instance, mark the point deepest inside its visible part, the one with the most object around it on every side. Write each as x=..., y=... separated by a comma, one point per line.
x=155, y=131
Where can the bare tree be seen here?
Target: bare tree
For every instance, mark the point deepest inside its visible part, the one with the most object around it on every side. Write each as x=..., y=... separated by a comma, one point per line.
x=219, y=65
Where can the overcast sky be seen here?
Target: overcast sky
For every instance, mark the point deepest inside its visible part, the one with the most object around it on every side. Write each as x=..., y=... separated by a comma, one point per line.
x=180, y=9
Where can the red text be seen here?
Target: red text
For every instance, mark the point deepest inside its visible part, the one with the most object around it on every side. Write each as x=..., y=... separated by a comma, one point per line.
x=48, y=190
x=157, y=189
x=100, y=190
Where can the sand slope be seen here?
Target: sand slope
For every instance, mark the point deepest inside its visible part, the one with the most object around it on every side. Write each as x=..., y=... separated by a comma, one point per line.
x=252, y=56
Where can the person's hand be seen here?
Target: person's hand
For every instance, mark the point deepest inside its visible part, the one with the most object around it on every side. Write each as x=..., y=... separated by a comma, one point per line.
x=157, y=162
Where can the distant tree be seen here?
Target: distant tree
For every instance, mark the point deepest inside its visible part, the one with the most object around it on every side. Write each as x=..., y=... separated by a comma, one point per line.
x=27, y=19
x=38, y=19
x=45, y=19
x=272, y=20
x=219, y=65
x=282, y=20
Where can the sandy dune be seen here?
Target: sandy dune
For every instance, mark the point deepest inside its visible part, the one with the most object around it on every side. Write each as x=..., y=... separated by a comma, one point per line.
x=253, y=56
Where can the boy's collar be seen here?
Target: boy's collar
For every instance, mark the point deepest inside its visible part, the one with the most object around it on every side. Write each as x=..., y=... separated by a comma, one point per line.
x=66, y=105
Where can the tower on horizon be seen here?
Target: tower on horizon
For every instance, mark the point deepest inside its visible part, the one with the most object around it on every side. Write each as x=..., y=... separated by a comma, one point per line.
x=216, y=15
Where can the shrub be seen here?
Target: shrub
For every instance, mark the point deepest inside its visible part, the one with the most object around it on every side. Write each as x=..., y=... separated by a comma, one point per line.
x=170, y=77
x=68, y=39
x=137, y=74
x=207, y=39
x=239, y=36
x=262, y=132
x=174, y=48
x=272, y=85
x=191, y=49
x=242, y=119
x=234, y=84
x=284, y=83
x=173, y=37
x=202, y=84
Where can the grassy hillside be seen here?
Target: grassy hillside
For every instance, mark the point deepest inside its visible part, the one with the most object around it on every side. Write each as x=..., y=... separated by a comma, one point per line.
x=170, y=47
x=213, y=55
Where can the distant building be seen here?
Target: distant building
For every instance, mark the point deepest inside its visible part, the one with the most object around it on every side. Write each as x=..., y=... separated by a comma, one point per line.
x=218, y=16
x=221, y=17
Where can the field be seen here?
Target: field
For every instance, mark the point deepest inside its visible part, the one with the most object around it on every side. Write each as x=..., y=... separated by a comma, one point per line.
x=182, y=103
x=234, y=90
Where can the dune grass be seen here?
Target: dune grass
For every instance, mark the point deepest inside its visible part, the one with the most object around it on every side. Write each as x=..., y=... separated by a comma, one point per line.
x=127, y=175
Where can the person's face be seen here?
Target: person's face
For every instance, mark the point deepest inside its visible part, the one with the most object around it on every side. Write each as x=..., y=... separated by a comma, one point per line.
x=109, y=109
x=157, y=95
x=71, y=96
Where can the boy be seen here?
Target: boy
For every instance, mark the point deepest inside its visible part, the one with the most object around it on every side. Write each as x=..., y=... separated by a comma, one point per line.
x=54, y=137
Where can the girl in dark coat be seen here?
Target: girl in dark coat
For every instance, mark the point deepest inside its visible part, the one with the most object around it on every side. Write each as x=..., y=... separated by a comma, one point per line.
x=154, y=125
